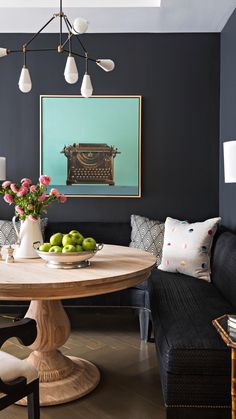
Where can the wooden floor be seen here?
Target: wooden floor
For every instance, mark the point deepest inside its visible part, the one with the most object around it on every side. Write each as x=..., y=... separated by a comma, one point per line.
x=130, y=386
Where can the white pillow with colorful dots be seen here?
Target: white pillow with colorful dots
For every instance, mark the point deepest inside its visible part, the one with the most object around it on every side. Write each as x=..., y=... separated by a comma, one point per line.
x=187, y=247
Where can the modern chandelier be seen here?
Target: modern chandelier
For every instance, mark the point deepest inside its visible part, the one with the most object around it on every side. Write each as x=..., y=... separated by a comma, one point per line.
x=71, y=75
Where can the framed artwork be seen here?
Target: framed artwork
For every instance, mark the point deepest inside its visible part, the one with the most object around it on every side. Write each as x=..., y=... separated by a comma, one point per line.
x=91, y=147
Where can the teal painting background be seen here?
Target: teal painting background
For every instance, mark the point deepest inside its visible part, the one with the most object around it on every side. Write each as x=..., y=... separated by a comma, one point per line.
x=114, y=121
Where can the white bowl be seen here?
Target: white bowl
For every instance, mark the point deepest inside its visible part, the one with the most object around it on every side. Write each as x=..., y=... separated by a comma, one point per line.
x=71, y=260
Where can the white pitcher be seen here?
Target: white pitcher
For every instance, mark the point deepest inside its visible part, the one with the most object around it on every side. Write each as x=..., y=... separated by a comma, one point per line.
x=30, y=232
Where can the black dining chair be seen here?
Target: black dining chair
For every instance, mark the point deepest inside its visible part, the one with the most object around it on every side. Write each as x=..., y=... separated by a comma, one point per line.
x=18, y=378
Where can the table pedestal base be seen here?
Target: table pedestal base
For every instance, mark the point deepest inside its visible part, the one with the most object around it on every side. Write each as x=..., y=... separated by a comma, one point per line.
x=83, y=379
x=62, y=379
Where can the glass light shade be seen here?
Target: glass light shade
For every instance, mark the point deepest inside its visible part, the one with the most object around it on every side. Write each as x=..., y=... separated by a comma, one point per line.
x=80, y=26
x=71, y=73
x=25, y=84
x=3, y=52
x=230, y=161
x=2, y=168
x=106, y=64
x=86, y=87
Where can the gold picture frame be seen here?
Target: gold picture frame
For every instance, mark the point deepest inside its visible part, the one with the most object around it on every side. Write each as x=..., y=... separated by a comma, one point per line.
x=77, y=158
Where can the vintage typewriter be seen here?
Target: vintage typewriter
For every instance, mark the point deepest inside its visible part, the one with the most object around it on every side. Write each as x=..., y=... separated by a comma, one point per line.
x=90, y=163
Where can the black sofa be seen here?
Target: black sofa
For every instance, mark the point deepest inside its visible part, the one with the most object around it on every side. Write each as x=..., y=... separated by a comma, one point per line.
x=195, y=364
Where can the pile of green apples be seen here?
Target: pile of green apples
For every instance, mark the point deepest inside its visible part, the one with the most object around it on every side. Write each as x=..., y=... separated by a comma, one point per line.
x=74, y=241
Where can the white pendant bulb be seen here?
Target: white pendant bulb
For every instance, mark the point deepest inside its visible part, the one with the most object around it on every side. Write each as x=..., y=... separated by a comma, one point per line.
x=71, y=73
x=80, y=26
x=3, y=52
x=86, y=87
x=25, y=84
x=106, y=64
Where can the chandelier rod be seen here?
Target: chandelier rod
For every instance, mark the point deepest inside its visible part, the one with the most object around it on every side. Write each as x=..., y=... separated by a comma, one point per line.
x=69, y=26
x=67, y=39
x=80, y=55
x=61, y=15
x=40, y=30
x=55, y=50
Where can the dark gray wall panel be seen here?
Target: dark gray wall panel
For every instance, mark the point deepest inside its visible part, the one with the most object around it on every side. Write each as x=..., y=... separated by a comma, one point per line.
x=178, y=76
x=227, y=197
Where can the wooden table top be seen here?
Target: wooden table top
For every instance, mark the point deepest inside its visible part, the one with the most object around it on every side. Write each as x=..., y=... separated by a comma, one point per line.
x=112, y=269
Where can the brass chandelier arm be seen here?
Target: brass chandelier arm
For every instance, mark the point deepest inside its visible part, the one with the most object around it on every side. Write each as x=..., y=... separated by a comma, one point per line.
x=40, y=30
x=81, y=56
x=67, y=39
x=10, y=51
x=69, y=26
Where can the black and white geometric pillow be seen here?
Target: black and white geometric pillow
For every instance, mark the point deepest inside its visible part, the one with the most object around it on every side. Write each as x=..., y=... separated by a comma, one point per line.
x=7, y=232
x=147, y=235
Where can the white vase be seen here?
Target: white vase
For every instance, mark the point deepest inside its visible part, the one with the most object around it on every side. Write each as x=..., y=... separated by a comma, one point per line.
x=30, y=232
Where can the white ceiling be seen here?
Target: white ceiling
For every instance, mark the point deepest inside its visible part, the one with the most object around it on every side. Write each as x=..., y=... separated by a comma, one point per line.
x=120, y=15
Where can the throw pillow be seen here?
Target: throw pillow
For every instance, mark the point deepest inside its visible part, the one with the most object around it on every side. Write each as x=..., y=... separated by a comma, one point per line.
x=187, y=247
x=7, y=232
x=147, y=235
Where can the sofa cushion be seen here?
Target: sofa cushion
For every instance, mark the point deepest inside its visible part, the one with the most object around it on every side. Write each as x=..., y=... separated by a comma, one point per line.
x=8, y=235
x=183, y=309
x=109, y=233
x=12, y=368
x=147, y=235
x=187, y=247
x=224, y=266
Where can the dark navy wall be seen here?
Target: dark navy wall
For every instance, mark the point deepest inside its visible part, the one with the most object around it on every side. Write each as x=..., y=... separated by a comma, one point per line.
x=178, y=77
x=227, y=196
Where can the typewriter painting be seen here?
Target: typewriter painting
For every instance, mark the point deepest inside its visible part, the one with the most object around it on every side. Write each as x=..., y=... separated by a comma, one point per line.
x=91, y=147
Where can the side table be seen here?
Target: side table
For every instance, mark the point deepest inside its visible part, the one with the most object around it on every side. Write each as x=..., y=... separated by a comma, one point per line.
x=221, y=325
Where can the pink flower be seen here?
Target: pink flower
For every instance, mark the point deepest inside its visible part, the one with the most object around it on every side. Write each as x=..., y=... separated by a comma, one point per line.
x=42, y=197
x=30, y=207
x=26, y=184
x=62, y=198
x=23, y=191
x=32, y=218
x=14, y=188
x=19, y=210
x=33, y=188
x=27, y=180
x=8, y=198
x=54, y=192
x=44, y=180
x=6, y=184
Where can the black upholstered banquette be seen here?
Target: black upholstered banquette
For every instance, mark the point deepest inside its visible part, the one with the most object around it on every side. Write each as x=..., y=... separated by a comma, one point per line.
x=194, y=362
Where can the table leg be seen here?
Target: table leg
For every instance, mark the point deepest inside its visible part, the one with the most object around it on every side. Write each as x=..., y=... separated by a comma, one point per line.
x=62, y=378
x=233, y=382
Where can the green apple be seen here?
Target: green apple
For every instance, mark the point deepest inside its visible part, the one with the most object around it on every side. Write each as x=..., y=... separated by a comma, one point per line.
x=69, y=248
x=77, y=236
x=73, y=231
x=45, y=247
x=56, y=239
x=89, y=244
x=79, y=248
x=55, y=249
x=68, y=239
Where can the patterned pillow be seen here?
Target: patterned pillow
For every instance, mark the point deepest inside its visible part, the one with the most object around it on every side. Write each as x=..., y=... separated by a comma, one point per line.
x=187, y=247
x=8, y=234
x=147, y=235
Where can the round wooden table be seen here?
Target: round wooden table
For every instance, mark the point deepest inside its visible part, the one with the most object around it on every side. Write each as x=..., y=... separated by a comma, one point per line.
x=62, y=378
